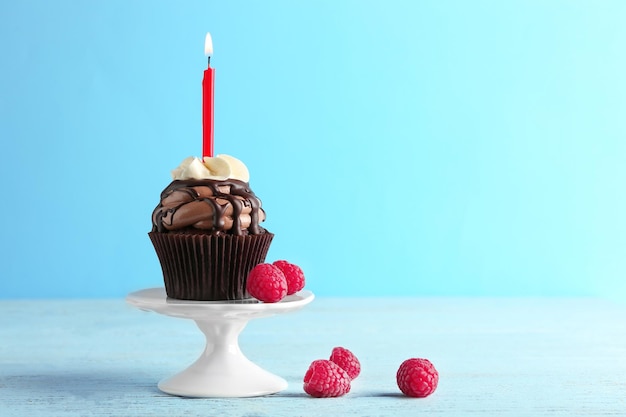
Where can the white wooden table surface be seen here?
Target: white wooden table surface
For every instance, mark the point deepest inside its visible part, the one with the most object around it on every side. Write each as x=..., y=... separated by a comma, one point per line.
x=496, y=357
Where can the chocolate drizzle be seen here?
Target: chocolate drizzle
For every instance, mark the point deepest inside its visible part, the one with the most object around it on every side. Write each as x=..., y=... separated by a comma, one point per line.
x=214, y=206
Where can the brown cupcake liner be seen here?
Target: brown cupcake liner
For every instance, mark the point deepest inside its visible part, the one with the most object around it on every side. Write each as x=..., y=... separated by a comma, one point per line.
x=206, y=267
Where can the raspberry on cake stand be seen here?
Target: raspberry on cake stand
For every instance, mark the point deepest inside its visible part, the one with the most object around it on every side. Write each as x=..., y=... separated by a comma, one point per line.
x=222, y=370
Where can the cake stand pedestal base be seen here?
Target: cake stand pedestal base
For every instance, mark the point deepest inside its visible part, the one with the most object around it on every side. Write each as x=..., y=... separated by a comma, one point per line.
x=222, y=370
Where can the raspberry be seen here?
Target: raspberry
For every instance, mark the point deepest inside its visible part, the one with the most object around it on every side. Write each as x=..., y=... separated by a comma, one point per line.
x=267, y=283
x=326, y=379
x=347, y=361
x=417, y=377
x=294, y=275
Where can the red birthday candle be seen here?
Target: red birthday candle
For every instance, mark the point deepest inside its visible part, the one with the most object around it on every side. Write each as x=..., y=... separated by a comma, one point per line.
x=207, y=100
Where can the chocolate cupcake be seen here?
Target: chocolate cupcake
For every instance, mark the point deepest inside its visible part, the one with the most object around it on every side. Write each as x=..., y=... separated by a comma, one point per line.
x=206, y=230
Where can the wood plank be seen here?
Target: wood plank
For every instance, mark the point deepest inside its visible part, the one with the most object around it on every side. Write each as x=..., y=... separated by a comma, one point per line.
x=496, y=356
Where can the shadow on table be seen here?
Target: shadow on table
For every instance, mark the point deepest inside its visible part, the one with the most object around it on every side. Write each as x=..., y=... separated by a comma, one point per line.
x=396, y=395
x=351, y=394
x=83, y=384
x=103, y=385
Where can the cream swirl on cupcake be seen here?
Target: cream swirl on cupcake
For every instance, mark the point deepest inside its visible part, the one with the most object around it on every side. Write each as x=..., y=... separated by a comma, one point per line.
x=220, y=167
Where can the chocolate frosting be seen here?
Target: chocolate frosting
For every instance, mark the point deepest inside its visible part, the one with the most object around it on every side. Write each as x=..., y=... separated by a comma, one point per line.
x=209, y=206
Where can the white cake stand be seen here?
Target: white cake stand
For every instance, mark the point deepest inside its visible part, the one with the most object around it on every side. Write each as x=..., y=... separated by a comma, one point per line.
x=222, y=370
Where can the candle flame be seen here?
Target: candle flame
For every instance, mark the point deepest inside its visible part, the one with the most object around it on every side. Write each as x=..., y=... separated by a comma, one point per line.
x=208, y=45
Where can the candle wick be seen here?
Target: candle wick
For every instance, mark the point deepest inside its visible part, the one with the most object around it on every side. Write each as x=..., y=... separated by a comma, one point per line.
x=209, y=60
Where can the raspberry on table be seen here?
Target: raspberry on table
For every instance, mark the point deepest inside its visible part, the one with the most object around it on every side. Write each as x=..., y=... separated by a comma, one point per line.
x=326, y=379
x=347, y=361
x=417, y=377
x=267, y=283
x=294, y=275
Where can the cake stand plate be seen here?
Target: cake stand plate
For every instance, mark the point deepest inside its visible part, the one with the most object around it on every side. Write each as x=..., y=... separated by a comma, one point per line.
x=222, y=370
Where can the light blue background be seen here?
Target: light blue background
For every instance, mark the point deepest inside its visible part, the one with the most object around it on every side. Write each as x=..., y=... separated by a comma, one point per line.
x=399, y=147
